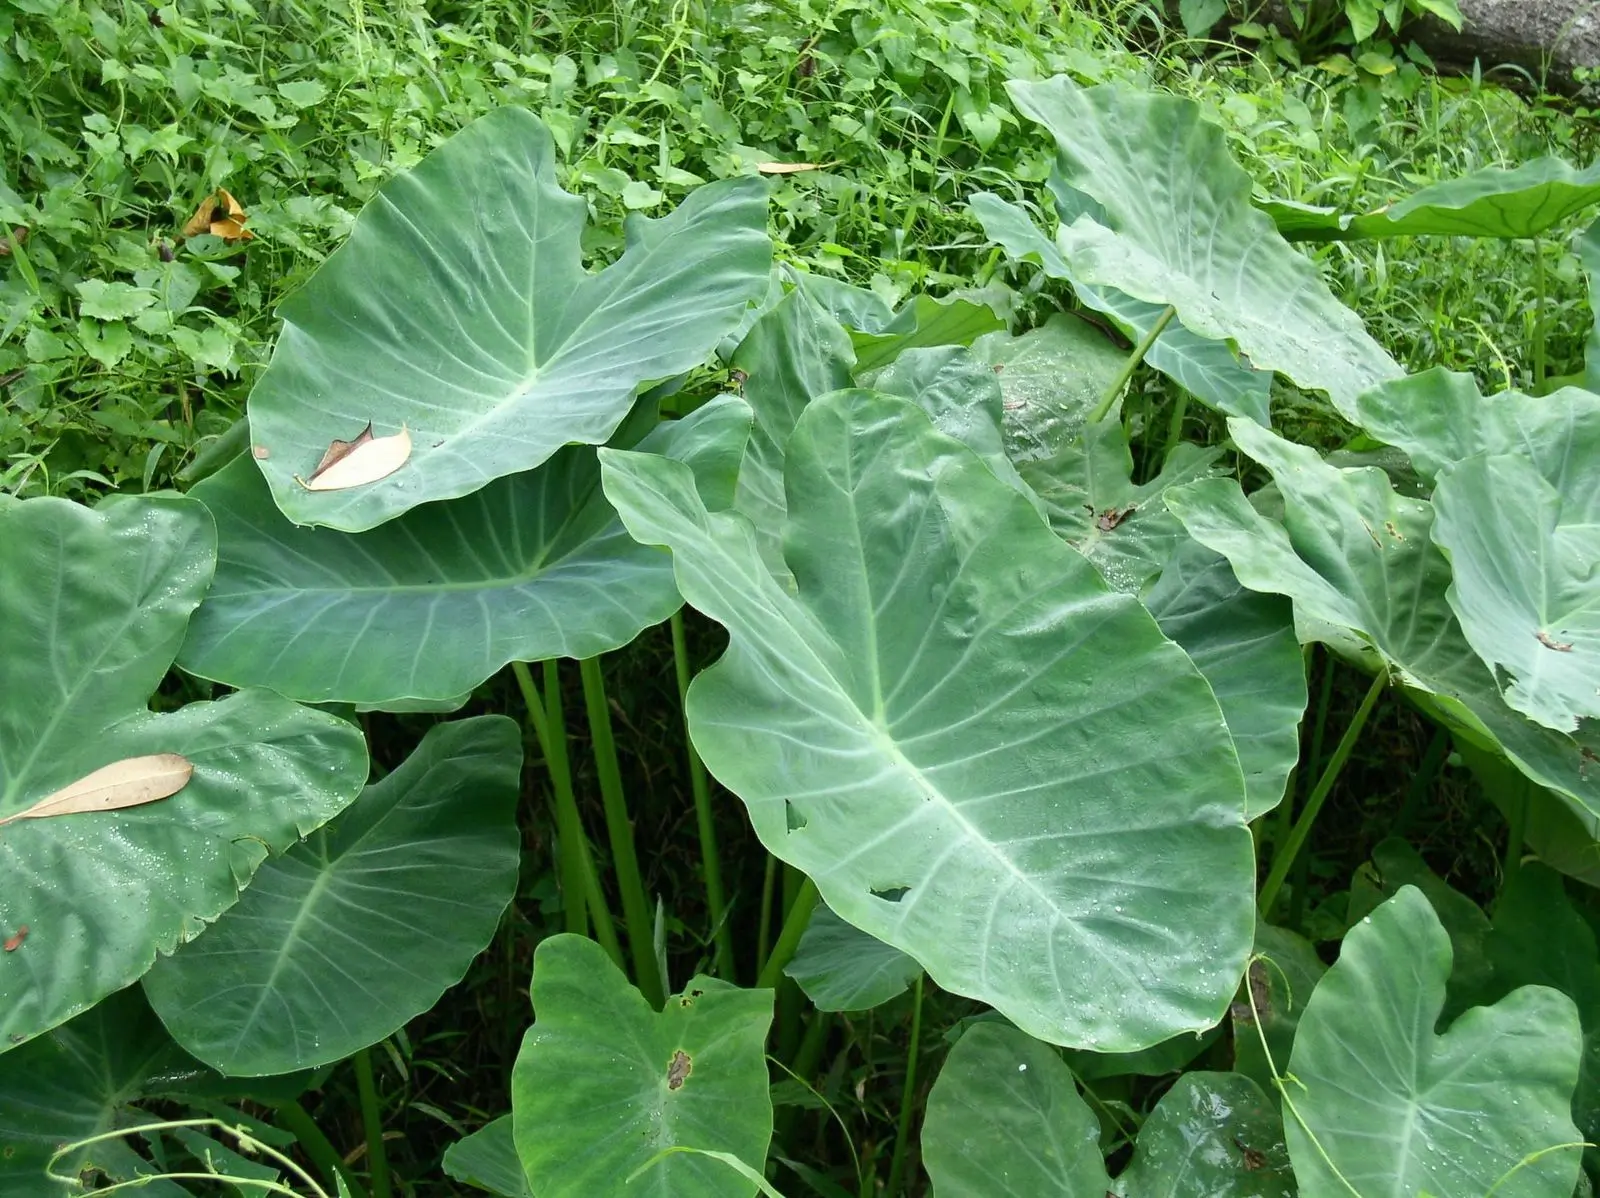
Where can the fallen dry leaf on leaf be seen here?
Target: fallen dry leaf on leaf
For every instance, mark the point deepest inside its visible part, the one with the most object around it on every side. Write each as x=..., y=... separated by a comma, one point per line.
x=131, y=782
x=14, y=942
x=356, y=463
x=260, y=452
x=790, y=168
x=229, y=227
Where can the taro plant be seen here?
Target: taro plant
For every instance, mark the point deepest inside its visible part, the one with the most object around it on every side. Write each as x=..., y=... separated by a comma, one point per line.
x=1011, y=698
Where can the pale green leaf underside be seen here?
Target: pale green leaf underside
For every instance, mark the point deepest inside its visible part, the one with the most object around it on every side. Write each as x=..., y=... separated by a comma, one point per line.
x=1181, y=230
x=1399, y=1110
x=603, y=1083
x=459, y=308
x=93, y=606
x=353, y=932
x=1206, y=368
x=943, y=728
x=532, y=566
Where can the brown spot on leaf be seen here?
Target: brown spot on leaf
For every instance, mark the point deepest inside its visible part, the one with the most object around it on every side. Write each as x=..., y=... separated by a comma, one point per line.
x=1111, y=517
x=260, y=452
x=1253, y=1159
x=14, y=941
x=1550, y=642
x=679, y=1070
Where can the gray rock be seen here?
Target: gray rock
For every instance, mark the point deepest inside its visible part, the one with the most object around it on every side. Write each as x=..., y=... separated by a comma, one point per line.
x=1546, y=38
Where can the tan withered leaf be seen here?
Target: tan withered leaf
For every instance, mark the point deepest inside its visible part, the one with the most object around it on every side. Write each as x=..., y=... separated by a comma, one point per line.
x=229, y=226
x=131, y=782
x=356, y=463
x=791, y=168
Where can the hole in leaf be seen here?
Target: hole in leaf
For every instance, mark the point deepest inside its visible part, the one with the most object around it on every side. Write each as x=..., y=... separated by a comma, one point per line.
x=678, y=1070
x=891, y=894
x=792, y=818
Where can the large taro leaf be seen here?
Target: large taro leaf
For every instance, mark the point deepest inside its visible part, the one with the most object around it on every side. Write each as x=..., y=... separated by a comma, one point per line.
x=604, y=1084
x=1244, y=643
x=93, y=606
x=1492, y=202
x=792, y=354
x=460, y=309
x=1180, y=230
x=100, y=1072
x=1206, y=368
x=364, y=925
x=78, y=1081
x=532, y=566
x=1094, y=505
x=1050, y=380
x=949, y=729
x=1004, y=1120
x=1212, y=1135
x=841, y=968
x=1587, y=245
x=1381, y=1104
x=1523, y=556
x=1518, y=513
x=1358, y=562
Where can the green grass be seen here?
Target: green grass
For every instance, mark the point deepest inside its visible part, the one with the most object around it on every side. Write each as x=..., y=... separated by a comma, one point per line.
x=124, y=348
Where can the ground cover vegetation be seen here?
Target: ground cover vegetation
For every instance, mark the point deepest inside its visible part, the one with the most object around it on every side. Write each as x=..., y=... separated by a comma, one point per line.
x=844, y=599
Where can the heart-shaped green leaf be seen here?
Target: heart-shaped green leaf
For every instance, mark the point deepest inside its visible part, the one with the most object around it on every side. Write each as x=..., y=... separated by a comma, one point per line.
x=460, y=311
x=1212, y=1135
x=1381, y=1103
x=1050, y=379
x=1358, y=562
x=841, y=968
x=1005, y=1121
x=945, y=728
x=1180, y=230
x=604, y=1084
x=93, y=606
x=362, y=927
x=532, y=566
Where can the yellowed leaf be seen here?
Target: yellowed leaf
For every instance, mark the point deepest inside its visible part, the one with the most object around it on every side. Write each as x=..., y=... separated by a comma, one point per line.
x=790, y=168
x=131, y=782
x=356, y=463
x=200, y=222
x=229, y=226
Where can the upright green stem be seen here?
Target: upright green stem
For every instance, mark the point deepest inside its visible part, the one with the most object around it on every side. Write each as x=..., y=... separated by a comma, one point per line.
x=1538, y=316
x=1110, y=394
x=716, y=903
x=769, y=881
x=1427, y=770
x=318, y=1149
x=569, y=827
x=635, y=907
x=794, y=926
x=1284, y=857
x=908, y=1096
x=1175, y=424
x=372, y=1121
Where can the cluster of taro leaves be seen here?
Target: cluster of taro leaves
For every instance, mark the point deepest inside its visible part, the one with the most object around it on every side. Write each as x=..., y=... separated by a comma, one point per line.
x=1012, y=712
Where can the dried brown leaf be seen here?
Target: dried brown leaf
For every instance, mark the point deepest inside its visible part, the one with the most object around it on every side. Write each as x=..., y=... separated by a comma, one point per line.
x=356, y=463
x=790, y=168
x=131, y=782
x=200, y=222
